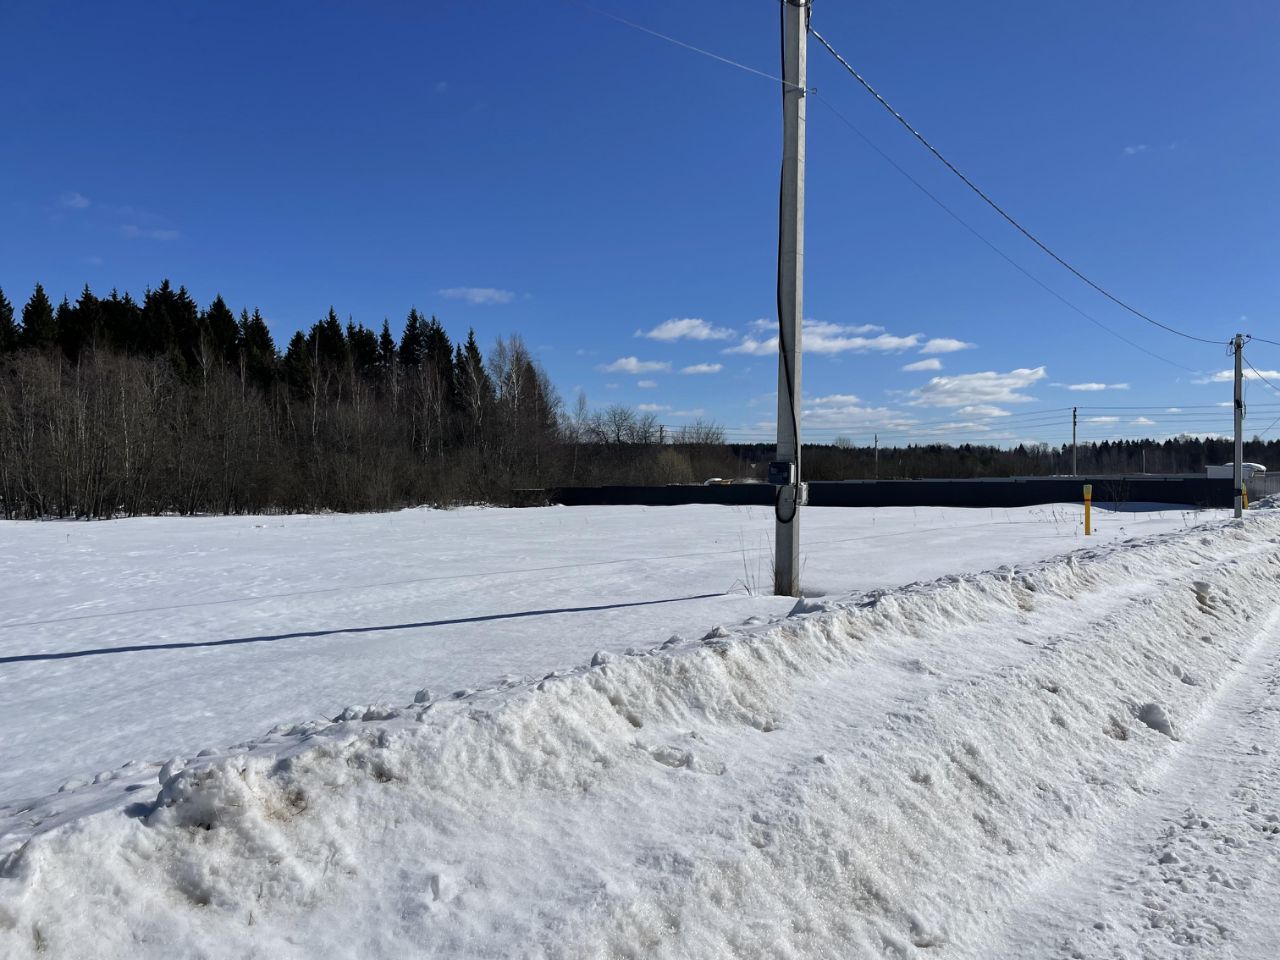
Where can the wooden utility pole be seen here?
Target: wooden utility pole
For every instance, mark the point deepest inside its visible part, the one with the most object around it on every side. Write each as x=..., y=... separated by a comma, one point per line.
x=1238, y=472
x=1074, y=471
x=795, y=34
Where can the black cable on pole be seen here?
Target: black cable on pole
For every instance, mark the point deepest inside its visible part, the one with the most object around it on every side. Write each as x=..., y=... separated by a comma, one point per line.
x=991, y=203
x=782, y=342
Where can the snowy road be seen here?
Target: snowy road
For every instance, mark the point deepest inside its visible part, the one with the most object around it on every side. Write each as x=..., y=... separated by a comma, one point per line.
x=148, y=638
x=1193, y=867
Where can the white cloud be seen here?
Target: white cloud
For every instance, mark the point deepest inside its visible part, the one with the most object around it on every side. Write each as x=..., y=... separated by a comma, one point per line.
x=646, y=384
x=1174, y=410
x=1136, y=149
x=478, y=296
x=755, y=348
x=820, y=337
x=703, y=368
x=978, y=389
x=1101, y=419
x=134, y=232
x=690, y=328
x=1143, y=422
x=1092, y=387
x=1226, y=376
x=835, y=398
x=74, y=201
x=945, y=345
x=652, y=407
x=695, y=412
x=982, y=410
x=845, y=411
x=933, y=363
x=635, y=365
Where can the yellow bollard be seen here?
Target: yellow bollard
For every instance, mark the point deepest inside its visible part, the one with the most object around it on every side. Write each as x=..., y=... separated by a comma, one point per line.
x=1088, y=509
x=1244, y=496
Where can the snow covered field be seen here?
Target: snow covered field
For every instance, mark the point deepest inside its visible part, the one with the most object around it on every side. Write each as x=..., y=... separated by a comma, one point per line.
x=1062, y=757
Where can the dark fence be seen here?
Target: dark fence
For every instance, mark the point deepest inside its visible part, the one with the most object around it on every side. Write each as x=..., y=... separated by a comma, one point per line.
x=1191, y=490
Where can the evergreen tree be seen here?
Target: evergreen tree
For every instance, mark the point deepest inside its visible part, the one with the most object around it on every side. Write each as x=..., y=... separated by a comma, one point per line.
x=8, y=328
x=362, y=344
x=64, y=323
x=473, y=388
x=121, y=320
x=39, y=330
x=154, y=334
x=80, y=326
x=259, y=349
x=297, y=364
x=412, y=342
x=386, y=352
x=328, y=341
x=219, y=327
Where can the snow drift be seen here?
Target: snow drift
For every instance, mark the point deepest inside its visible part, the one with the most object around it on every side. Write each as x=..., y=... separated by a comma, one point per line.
x=896, y=774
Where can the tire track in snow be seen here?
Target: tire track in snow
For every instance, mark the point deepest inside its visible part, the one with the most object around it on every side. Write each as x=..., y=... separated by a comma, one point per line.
x=1194, y=869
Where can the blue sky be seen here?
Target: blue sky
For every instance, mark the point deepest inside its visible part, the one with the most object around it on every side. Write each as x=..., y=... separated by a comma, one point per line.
x=539, y=168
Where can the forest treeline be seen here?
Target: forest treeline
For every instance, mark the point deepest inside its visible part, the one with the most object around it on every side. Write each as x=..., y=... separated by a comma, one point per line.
x=114, y=407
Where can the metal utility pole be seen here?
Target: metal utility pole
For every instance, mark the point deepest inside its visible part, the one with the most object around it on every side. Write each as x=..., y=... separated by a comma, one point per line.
x=1074, y=471
x=1238, y=473
x=795, y=34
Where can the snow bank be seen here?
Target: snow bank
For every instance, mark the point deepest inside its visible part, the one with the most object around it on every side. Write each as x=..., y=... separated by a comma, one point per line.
x=887, y=775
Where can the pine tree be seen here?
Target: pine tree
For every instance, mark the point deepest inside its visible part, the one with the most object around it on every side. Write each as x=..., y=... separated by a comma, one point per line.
x=39, y=330
x=473, y=388
x=412, y=344
x=218, y=325
x=8, y=328
x=154, y=333
x=121, y=321
x=80, y=326
x=362, y=344
x=258, y=349
x=386, y=352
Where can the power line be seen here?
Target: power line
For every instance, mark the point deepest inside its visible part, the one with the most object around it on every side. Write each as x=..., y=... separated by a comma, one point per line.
x=680, y=43
x=991, y=203
x=1004, y=256
x=1274, y=388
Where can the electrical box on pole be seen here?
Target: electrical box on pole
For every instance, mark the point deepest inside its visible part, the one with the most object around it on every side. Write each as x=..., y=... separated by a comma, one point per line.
x=789, y=496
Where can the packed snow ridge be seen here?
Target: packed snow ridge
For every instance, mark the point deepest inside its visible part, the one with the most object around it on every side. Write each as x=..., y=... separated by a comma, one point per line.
x=934, y=770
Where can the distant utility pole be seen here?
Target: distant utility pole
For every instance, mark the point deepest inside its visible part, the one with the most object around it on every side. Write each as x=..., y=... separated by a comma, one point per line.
x=876, y=474
x=1238, y=473
x=1074, y=471
x=795, y=33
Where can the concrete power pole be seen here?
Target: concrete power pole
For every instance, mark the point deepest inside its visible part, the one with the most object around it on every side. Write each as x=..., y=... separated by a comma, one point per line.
x=1074, y=471
x=1238, y=472
x=795, y=34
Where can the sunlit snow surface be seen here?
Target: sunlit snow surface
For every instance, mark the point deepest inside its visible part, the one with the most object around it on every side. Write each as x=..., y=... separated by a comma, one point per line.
x=1058, y=757
x=290, y=618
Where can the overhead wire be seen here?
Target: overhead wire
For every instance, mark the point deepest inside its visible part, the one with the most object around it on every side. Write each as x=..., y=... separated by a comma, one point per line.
x=1000, y=253
x=680, y=43
x=991, y=203
x=787, y=86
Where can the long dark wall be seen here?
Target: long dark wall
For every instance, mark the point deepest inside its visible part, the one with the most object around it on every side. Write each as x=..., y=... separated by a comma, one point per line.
x=1010, y=492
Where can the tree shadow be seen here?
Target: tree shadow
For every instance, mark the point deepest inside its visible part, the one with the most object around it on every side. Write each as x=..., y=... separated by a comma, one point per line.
x=305, y=634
